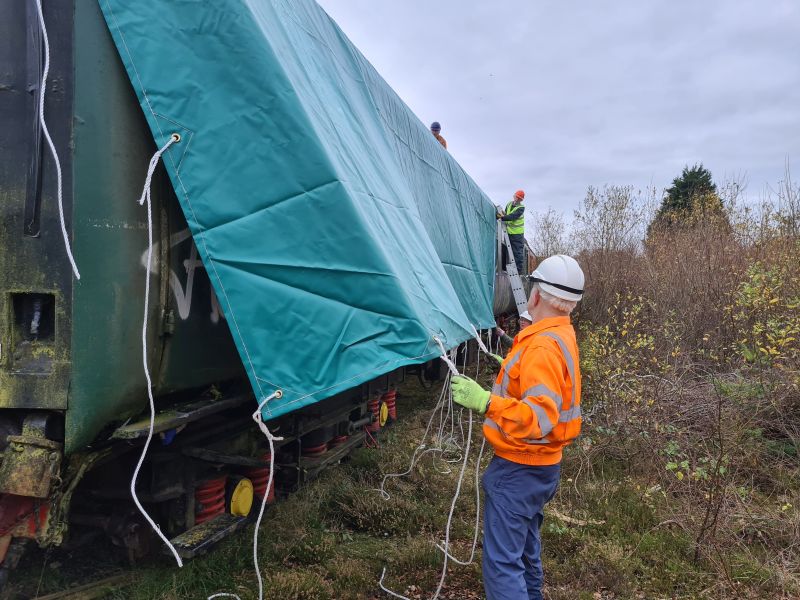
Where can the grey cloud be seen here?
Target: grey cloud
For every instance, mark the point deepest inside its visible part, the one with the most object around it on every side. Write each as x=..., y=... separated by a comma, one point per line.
x=554, y=97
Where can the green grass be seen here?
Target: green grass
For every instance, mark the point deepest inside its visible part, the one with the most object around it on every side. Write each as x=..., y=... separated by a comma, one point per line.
x=332, y=539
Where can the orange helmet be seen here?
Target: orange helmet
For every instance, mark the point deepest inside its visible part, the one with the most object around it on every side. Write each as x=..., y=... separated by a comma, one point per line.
x=519, y=194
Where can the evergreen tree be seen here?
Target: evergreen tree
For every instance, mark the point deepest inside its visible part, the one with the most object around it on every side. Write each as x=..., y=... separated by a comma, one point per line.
x=691, y=199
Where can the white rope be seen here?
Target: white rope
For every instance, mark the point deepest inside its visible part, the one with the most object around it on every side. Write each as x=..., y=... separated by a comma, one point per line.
x=477, y=488
x=452, y=510
x=271, y=440
x=444, y=357
x=257, y=417
x=420, y=447
x=387, y=590
x=146, y=197
x=477, y=513
x=453, y=371
x=50, y=144
x=481, y=345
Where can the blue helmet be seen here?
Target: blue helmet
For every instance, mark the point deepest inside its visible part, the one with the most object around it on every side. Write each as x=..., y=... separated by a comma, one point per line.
x=435, y=126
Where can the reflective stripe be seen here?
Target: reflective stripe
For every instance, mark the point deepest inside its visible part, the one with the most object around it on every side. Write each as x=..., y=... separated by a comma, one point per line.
x=542, y=390
x=568, y=415
x=506, y=377
x=488, y=422
x=565, y=416
x=492, y=425
x=570, y=361
x=545, y=424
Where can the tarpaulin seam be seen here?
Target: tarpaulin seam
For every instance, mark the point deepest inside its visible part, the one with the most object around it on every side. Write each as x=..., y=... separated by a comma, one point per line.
x=399, y=362
x=185, y=193
x=389, y=363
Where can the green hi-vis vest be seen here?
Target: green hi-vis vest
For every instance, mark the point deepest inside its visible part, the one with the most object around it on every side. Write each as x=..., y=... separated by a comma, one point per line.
x=517, y=226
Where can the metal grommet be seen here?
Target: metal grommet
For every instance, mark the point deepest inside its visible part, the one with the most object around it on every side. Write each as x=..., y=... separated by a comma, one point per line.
x=176, y=137
x=278, y=394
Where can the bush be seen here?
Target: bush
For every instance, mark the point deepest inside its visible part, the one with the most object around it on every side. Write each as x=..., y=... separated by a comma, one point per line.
x=690, y=349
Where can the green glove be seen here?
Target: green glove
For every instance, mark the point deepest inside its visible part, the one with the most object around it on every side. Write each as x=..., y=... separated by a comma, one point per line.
x=498, y=358
x=469, y=394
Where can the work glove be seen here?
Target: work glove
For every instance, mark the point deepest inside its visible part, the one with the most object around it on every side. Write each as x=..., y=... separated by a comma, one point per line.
x=469, y=394
x=497, y=357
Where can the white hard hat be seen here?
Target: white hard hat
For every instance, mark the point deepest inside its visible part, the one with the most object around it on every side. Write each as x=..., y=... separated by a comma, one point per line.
x=526, y=315
x=560, y=276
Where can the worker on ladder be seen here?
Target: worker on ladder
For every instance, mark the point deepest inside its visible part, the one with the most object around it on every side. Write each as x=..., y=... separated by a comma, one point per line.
x=532, y=413
x=514, y=219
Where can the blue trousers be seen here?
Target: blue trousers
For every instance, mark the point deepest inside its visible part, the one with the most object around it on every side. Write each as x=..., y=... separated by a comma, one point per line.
x=515, y=498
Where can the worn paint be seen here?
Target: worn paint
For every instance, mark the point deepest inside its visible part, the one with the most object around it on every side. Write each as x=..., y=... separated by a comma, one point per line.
x=30, y=461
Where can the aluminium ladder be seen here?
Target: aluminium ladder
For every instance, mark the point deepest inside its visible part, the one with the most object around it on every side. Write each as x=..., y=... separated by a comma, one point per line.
x=517, y=288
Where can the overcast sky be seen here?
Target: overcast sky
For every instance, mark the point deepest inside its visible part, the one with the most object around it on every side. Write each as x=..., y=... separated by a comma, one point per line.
x=555, y=96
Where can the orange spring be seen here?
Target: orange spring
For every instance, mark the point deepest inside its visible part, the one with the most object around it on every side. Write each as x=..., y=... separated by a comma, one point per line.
x=209, y=499
x=390, y=398
x=374, y=406
x=260, y=477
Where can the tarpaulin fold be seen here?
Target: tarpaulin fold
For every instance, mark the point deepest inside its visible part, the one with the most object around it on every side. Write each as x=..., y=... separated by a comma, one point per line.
x=338, y=234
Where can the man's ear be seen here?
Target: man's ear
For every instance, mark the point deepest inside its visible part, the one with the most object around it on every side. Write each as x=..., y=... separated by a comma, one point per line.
x=536, y=297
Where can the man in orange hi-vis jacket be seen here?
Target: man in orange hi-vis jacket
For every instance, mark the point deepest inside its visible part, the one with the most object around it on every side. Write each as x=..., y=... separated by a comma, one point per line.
x=532, y=413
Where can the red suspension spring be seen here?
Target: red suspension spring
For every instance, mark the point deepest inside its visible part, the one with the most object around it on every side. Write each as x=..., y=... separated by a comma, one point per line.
x=260, y=477
x=209, y=499
x=390, y=399
x=374, y=406
x=338, y=441
x=313, y=451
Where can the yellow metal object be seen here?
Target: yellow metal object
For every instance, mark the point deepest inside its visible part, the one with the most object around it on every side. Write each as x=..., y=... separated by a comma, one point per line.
x=383, y=415
x=242, y=498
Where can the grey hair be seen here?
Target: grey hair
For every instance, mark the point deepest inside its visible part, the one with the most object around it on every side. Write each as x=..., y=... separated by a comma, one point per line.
x=558, y=304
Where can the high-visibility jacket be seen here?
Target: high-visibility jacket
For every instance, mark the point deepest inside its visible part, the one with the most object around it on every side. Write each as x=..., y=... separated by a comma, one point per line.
x=535, y=406
x=515, y=226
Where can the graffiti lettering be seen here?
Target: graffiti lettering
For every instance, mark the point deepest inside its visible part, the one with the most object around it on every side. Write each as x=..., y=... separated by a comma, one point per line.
x=183, y=295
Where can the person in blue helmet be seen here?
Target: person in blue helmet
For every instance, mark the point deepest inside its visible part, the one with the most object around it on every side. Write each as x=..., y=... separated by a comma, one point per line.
x=436, y=128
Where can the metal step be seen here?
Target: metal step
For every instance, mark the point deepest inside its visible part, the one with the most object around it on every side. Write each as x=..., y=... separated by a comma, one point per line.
x=200, y=538
x=179, y=415
x=513, y=275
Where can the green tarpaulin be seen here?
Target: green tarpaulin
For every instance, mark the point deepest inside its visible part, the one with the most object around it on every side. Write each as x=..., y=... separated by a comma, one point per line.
x=340, y=237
